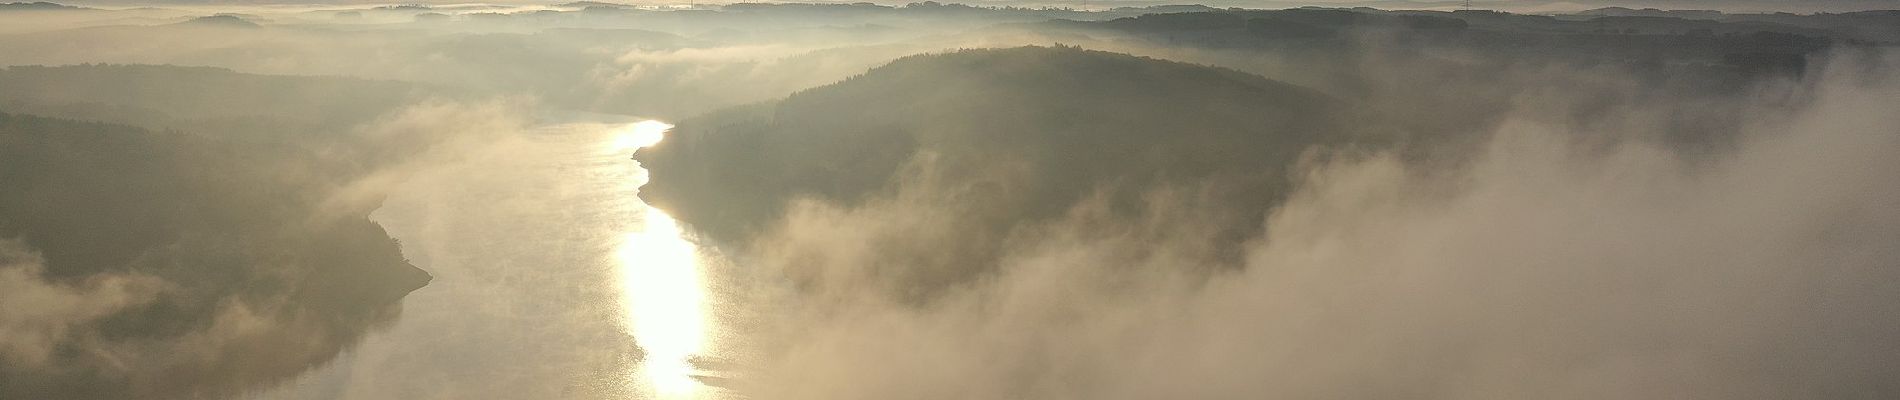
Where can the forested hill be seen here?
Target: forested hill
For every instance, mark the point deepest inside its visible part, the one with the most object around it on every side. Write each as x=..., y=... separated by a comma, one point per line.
x=197, y=256
x=1009, y=136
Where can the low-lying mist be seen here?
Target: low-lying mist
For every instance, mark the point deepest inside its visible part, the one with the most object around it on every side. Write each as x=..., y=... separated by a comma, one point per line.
x=1560, y=261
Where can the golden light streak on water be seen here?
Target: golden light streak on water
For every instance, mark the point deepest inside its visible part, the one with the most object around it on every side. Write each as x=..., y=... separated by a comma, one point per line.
x=639, y=135
x=663, y=288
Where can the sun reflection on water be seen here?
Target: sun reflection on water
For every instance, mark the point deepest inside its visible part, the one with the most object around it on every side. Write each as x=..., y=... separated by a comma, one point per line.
x=662, y=287
x=641, y=134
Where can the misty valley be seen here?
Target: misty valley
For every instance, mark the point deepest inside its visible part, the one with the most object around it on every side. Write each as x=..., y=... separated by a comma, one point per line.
x=1245, y=199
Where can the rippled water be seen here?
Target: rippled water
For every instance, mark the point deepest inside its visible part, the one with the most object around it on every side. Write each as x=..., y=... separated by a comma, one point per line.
x=552, y=280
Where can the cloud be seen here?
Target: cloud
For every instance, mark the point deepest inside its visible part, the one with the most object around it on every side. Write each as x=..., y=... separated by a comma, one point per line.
x=38, y=316
x=428, y=132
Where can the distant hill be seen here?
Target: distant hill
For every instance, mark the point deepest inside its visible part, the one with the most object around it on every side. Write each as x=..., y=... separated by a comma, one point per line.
x=1019, y=135
x=1666, y=34
x=229, y=21
x=587, y=4
x=200, y=99
x=1651, y=12
x=36, y=6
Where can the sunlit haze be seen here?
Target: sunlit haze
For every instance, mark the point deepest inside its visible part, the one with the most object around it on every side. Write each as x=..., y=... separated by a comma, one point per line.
x=1065, y=199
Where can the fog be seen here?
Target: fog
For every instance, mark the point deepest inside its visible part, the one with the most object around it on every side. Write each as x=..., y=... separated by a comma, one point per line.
x=1544, y=268
x=1670, y=199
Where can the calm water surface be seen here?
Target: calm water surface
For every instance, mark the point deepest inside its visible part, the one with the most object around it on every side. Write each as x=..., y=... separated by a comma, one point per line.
x=552, y=280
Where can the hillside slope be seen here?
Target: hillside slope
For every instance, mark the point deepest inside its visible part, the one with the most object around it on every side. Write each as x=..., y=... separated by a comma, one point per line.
x=158, y=264
x=1000, y=139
